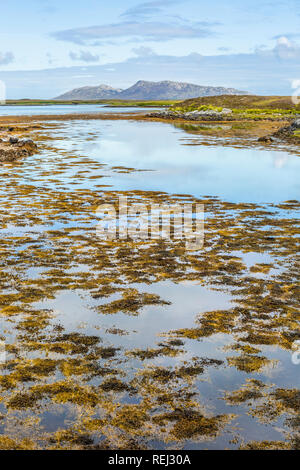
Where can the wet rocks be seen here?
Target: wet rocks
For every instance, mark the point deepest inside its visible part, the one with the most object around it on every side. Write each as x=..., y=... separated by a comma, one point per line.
x=289, y=132
x=20, y=142
x=295, y=125
x=15, y=148
x=267, y=139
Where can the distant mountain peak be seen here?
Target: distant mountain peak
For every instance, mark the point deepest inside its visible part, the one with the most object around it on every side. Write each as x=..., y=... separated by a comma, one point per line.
x=100, y=92
x=147, y=90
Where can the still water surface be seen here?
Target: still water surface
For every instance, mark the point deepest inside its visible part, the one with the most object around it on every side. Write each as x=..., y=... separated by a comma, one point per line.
x=112, y=343
x=9, y=110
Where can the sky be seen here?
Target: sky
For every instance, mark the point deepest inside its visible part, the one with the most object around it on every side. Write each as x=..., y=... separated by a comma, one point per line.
x=48, y=47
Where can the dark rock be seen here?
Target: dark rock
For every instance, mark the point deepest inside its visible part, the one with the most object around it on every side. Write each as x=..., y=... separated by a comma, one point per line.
x=21, y=148
x=26, y=142
x=295, y=125
x=209, y=115
x=266, y=139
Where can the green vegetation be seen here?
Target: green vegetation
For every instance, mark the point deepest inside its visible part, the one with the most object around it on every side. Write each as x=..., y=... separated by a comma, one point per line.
x=30, y=102
x=148, y=104
x=242, y=102
x=113, y=103
x=249, y=106
x=261, y=113
x=195, y=107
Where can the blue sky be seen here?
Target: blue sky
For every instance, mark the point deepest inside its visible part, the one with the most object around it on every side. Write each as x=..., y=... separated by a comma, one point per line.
x=50, y=46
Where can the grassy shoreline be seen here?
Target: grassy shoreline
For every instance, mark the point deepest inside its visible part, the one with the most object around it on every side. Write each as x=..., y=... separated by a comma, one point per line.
x=243, y=103
x=110, y=103
x=250, y=117
x=244, y=131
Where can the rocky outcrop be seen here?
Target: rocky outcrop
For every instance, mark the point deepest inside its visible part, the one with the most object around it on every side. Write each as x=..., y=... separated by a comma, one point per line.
x=288, y=132
x=225, y=114
x=208, y=115
x=295, y=125
x=266, y=139
x=15, y=148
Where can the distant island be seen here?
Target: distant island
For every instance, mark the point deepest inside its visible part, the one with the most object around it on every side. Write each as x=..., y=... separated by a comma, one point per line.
x=144, y=90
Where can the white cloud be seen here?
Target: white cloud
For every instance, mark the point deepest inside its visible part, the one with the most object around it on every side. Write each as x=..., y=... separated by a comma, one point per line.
x=6, y=58
x=149, y=8
x=286, y=49
x=265, y=71
x=143, y=51
x=151, y=31
x=84, y=56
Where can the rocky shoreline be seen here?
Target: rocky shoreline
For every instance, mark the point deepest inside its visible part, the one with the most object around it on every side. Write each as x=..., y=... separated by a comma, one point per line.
x=14, y=148
x=287, y=133
x=210, y=115
x=266, y=130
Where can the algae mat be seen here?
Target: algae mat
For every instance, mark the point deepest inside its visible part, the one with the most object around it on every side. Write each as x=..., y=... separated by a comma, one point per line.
x=122, y=344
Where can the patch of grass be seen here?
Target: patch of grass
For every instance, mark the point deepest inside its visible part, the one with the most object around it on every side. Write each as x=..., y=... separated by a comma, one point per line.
x=242, y=102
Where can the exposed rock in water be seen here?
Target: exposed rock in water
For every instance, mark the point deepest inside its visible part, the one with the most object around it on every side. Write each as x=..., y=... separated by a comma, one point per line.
x=15, y=149
x=288, y=132
x=295, y=125
x=266, y=139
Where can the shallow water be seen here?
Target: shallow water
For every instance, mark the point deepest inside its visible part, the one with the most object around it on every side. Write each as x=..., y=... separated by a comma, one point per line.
x=145, y=344
x=10, y=110
x=245, y=174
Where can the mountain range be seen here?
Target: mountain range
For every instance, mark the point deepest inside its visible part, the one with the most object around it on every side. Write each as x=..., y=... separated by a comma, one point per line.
x=144, y=90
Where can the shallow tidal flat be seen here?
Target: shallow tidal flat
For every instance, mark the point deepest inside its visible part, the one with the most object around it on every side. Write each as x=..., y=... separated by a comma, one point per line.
x=121, y=344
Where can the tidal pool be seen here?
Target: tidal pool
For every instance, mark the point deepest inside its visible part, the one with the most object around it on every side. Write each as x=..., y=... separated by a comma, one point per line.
x=135, y=344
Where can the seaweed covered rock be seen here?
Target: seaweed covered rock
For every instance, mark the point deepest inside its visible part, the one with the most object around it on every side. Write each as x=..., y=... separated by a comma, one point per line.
x=290, y=132
x=266, y=139
x=15, y=149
